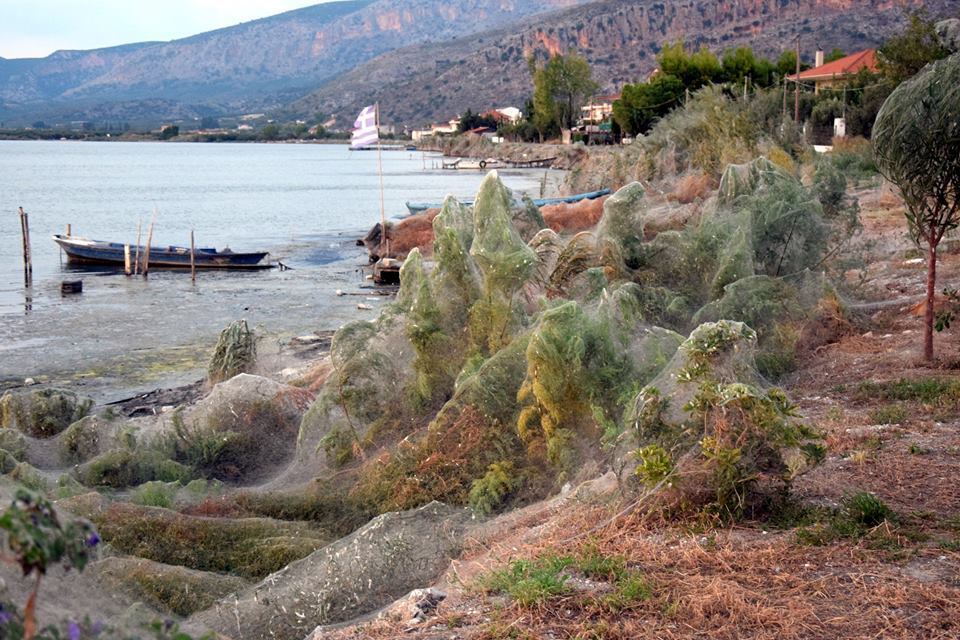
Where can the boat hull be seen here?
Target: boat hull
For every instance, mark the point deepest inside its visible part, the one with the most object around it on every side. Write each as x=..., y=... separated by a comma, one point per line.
x=420, y=207
x=81, y=251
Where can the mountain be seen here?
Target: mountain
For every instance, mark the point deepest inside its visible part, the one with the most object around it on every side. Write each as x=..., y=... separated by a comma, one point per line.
x=620, y=38
x=251, y=66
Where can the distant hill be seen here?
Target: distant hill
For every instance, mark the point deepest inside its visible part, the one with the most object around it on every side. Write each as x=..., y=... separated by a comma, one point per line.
x=620, y=38
x=252, y=66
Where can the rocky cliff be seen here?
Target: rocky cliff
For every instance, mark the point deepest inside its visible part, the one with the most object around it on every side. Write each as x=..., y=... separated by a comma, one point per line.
x=619, y=38
x=249, y=66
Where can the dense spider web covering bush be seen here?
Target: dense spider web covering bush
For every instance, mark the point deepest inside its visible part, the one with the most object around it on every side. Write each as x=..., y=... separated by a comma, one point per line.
x=508, y=365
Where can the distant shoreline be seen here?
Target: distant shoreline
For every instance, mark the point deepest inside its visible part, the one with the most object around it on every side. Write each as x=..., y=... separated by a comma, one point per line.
x=6, y=136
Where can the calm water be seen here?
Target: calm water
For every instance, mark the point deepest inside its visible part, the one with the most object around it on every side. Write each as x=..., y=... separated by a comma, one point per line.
x=304, y=203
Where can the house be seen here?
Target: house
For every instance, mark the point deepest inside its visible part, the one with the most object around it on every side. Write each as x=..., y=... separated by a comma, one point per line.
x=507, y=115
x=598, y=110
x=838, y=72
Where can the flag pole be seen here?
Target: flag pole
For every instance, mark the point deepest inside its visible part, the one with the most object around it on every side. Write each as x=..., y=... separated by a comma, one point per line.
x=383, y=215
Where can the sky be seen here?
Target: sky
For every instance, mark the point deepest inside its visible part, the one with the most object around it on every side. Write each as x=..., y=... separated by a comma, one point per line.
x=37, y=28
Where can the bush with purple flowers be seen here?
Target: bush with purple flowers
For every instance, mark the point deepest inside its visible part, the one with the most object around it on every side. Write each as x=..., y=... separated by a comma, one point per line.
x=37, y=540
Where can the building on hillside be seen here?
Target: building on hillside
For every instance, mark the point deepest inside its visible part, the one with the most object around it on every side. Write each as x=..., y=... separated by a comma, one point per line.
x=599, y=109
x=451, y=127
x=445, y=129
x=504, y=115
x=838, y=72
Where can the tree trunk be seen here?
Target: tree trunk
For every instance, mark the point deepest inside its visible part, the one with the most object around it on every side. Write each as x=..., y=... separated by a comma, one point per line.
x=931, y=293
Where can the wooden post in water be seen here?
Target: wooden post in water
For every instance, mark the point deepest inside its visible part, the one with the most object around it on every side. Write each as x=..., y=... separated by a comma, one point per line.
x=126, y=259
x=193, y=262
x=136, y=260
x=68, y=230
x=27, y=259
x=146, y=251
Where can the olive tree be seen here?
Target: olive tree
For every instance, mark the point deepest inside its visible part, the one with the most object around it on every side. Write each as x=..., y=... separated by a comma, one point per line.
x=917, y=143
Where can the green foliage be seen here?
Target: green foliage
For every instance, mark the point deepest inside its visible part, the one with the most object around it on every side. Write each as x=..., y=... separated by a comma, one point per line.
x=489, y=492
x=640, y=105
x=470, y=120
x=38, y=540
x=571, y=365
x=235, y=353
x=858, y=514
x=229, y=445
x=531, y=582
x=709, y=132
x=43, y=413
x=560, y=87
x=906, y=53
x=249, y=548
x=917, y=142
x=121, y=468
x=655, y=464
x=155, y=494
x=889, y=414
x=936, y=391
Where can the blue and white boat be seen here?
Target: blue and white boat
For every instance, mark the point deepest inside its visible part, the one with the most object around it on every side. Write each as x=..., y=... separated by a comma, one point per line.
x=85, y=251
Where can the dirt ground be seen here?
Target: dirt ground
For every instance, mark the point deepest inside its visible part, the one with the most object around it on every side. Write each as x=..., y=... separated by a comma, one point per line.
x=899, y=579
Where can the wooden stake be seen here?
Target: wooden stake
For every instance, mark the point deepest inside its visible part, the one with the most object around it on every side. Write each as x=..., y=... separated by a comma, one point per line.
x=136, y=260
x=27, y=259
x=126, y=259
x=193, y=259
x=68, y=230
x=796, y=98
x=146, y=251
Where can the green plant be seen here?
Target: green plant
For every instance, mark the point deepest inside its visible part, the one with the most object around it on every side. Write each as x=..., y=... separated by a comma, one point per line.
x=489, y=492
x=918, y=148
x=890, y=414
x=858, y=514
x=655, y=464
x=38, y=541
x=530, y=582
x=155, y=494
x=236, y=351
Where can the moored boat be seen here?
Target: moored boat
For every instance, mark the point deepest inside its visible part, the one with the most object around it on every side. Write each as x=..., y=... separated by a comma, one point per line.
x=86, y=251
x=420, y=207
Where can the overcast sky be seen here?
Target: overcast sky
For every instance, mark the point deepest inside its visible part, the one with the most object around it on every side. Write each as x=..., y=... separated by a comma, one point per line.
x=36, y=28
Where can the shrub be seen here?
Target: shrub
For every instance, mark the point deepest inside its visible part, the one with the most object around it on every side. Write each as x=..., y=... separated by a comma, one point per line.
x=489, y=492
x=235, y=353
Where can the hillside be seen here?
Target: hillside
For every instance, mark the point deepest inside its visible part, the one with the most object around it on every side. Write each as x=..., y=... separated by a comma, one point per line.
x=245, y=67
x=619, y=38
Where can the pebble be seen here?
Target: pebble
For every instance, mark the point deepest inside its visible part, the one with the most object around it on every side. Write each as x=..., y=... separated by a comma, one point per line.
x=29, y=382
x=364, y=307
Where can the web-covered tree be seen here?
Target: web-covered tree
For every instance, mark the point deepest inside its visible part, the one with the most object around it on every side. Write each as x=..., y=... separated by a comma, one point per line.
x=917, y=143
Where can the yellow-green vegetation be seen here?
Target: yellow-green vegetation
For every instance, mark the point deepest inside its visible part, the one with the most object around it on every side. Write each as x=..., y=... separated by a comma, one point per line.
x=246, y=547
x=176, y=590
x=121, y=468
x=532, y=582
x=724, y=443
x=236, y=352
x=859, y=513
x=43, y=413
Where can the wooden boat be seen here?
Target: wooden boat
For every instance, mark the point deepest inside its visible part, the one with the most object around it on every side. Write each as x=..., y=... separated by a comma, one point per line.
x=85, y=251
x=420, y=207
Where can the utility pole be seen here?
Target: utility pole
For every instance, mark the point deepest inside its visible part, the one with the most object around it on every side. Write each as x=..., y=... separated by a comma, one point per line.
x=796, y=82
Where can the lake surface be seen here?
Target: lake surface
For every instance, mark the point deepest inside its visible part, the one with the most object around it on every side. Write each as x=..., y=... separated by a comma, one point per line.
x=305, y=203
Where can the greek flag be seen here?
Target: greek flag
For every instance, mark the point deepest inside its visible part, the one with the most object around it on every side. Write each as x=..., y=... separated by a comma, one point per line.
x=365, y=131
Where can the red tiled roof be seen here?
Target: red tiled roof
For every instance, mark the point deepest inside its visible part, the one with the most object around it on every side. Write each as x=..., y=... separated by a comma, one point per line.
x=842, y=68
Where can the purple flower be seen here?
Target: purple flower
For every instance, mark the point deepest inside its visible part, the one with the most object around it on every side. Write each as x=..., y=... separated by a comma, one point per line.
x=5, y=616
x=73, y=631
x=93, y=539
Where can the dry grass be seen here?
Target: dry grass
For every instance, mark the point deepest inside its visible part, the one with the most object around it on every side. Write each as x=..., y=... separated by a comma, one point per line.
x=691, y=187
x=573, y=218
